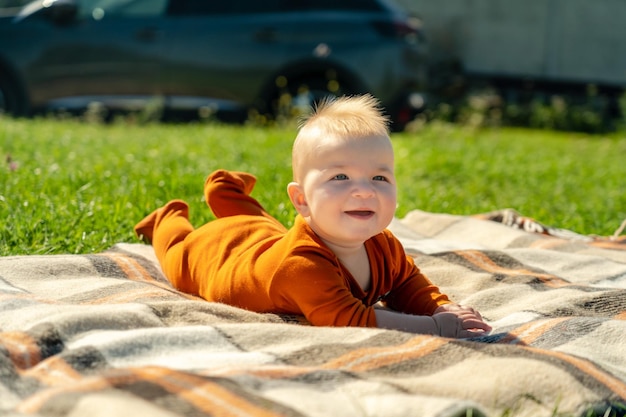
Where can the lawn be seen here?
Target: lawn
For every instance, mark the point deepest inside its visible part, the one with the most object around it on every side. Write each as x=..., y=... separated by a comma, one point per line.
x=75, y=187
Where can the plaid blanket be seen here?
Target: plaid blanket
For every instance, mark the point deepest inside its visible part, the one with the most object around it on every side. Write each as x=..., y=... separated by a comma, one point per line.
x=106, y=335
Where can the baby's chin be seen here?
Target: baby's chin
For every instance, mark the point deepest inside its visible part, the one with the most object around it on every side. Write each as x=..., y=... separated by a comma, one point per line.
x=354, y=240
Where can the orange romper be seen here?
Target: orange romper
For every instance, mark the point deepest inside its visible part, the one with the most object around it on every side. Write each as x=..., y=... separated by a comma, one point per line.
x=246, y=258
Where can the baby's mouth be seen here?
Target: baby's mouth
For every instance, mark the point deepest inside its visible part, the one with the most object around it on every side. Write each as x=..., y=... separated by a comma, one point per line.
x=360, y=213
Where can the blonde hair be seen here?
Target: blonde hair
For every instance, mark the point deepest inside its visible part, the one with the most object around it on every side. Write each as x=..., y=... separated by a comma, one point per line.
x=348, y=116
x=345, y=117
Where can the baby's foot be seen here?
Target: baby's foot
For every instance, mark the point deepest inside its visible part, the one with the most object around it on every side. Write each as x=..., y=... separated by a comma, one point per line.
x=145, y=228
x=233, y=181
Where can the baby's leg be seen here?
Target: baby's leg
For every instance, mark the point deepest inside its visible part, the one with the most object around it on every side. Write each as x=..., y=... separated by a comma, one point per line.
x=227, y=194
x=166, y=228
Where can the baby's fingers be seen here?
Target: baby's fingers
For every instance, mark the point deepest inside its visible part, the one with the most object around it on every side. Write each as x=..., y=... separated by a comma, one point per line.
x=470, y=310
x=467, y=333
x=474, y=323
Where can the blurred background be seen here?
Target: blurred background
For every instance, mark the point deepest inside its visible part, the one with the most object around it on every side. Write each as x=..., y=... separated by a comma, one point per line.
x=555, y=64
x=560, y=60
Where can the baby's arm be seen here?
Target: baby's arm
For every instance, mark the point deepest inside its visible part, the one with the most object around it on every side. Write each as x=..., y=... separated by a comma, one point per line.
x=450, y=320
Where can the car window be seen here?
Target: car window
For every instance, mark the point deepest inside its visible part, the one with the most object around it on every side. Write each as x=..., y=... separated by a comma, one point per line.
x=320, y=5
x=98, y=9
x=215, y=7
x=210, y=7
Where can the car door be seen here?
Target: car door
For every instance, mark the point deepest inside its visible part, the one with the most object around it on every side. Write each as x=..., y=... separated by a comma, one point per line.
x=220, y=53
x=108, y=53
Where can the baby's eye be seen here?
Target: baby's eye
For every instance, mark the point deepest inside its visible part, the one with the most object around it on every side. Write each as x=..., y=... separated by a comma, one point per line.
x=340, y=177
x=379, y=178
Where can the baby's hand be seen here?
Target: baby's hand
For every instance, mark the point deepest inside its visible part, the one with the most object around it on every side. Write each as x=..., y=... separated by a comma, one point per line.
x=454, y=320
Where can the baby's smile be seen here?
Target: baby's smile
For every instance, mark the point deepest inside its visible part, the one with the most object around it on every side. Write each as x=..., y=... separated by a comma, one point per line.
x=364, y=214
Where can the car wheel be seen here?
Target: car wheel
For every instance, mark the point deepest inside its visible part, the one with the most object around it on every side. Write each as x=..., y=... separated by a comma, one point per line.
x=12, y=100
x=296, y=98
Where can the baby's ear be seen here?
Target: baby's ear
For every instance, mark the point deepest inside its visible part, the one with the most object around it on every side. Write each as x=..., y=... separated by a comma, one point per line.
x=296, y=195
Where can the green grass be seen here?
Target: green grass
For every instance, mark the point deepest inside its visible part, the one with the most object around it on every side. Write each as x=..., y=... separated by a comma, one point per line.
x=72, y=187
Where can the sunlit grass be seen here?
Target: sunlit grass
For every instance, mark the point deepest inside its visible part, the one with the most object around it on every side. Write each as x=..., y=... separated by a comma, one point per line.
x=71, y=187
x=569, y=180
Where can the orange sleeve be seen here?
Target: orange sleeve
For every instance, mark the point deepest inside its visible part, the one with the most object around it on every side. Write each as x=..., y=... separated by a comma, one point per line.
x=411, y=291
x=312, y=283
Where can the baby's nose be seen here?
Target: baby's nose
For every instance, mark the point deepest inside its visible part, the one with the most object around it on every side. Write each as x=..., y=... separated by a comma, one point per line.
x=363, y=189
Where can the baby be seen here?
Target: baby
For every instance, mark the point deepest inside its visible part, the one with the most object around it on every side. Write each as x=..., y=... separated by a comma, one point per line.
x=338, y=265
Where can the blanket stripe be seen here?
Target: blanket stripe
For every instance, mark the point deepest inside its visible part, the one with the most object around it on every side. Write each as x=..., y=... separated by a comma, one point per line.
x=496, y=264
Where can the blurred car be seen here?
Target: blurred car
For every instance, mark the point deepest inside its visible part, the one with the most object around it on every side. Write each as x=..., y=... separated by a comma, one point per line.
x=11, y=6
x=248, y=56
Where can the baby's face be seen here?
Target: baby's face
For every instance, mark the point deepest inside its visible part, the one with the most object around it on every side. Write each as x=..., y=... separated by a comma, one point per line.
x=350, y=189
